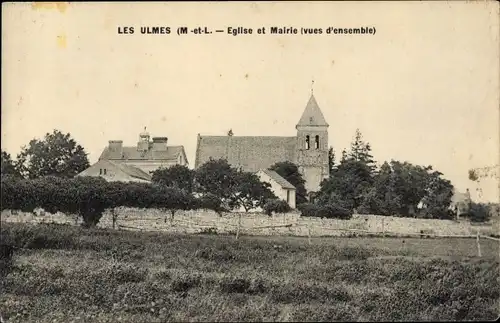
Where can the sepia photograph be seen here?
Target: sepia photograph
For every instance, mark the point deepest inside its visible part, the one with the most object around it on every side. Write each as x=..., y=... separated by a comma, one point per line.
x=255, y=161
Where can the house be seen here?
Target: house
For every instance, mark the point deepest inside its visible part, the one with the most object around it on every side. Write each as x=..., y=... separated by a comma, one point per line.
x=148, y=155
x=112, y=171
x=460, y=202
x=308, y=149
x=279, y=186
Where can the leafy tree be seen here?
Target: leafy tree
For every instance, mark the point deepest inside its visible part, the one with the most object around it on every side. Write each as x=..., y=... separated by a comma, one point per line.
x=212, y=202
x=179, y=176
x=348, y=184
x=290, y=172
x=172, y=199
x=233, y=187
x=216, y=177
x=382, y=198
x=250, y=192
x=8, y=165
x=56, y=155
x=437, y=198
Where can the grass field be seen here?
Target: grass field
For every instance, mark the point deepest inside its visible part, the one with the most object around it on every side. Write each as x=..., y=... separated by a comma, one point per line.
x=65, y=273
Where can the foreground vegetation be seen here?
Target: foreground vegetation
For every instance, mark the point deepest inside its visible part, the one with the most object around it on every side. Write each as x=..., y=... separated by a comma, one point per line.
x=67, y=273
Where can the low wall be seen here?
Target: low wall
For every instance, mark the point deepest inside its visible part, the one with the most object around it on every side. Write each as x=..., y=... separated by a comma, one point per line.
x=196, y=221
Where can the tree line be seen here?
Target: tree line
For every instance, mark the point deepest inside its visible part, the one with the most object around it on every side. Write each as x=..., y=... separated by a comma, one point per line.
x=356, y=184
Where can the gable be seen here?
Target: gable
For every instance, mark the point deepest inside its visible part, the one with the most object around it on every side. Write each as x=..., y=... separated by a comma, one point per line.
x=278, y=179
x=249, y=153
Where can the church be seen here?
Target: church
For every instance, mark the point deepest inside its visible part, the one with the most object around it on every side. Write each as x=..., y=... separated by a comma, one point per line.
x=308, y=149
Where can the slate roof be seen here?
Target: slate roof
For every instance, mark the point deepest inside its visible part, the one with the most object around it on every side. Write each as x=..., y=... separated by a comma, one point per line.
x=312, y=115
x=131, y=153
x=278, y=178
x=250, y=153
x=131, y=171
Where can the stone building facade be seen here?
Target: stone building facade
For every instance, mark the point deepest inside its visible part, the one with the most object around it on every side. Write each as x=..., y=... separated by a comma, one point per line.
x=308, y=149
x=148, y=155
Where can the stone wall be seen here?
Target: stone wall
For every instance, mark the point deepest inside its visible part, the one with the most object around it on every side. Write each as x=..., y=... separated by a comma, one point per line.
x=196, y=221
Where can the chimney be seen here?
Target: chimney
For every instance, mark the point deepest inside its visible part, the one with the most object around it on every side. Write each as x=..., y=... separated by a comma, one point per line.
x=160, y=143
x=115, y=148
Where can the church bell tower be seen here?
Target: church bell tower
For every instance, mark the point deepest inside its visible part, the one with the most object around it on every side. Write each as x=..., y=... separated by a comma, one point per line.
x=312, y=146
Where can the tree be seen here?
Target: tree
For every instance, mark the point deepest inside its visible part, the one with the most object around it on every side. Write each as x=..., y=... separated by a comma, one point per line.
x=437, y=198
x=290, y=172
x=178, y=176
x=8, y=165
x=211, y=202
x=250, y=192
x=331, y=160
x=56, y=155
x=216, y=177
x=348, y=184
x=382, y=198
x=234, y=187
x=172, y=199
x=361, y=151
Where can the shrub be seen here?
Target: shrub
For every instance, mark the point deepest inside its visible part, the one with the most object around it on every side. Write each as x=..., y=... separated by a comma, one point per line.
x=326, y=211
x=276, y=206
x=335, y=211
x=478, y=212
x=309, y=209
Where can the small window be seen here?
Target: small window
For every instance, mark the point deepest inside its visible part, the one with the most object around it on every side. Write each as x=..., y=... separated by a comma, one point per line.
x=307, y=142
x=104, y=171
x=288, y=196
x=316, y=142
x=100, y=171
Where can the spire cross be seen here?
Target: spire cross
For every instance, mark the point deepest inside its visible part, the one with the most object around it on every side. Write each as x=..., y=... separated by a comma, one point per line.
x=312, y=87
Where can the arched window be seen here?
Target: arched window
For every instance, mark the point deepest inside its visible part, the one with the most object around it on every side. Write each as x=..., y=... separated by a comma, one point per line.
x=307, y=142
x=316, y=142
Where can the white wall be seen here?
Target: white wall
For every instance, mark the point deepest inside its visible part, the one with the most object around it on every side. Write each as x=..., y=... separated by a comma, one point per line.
x=277, y=189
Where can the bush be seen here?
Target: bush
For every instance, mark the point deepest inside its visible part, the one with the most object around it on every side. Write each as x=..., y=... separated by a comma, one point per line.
x=309, y=209
x=330, y=211
x=478, y=212
x=276, y=206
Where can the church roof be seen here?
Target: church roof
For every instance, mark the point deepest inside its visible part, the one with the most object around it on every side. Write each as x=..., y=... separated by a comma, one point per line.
x=278, y=179
x=312, y=115
x=131, y=153
x=250, y=153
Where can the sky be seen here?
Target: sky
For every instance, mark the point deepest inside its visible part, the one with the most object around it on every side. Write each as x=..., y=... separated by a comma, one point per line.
x=424, y=88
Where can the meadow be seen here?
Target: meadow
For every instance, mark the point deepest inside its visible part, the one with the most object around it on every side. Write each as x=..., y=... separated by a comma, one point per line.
x=65, y=273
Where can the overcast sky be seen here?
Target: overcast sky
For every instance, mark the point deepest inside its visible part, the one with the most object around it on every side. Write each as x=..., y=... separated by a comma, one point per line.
x=424, y=88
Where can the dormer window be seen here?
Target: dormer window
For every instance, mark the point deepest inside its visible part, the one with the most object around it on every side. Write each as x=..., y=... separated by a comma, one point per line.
x=316, y=142
x=307, y=142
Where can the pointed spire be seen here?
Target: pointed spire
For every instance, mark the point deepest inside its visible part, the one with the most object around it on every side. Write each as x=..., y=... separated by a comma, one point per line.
x=312, y=115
